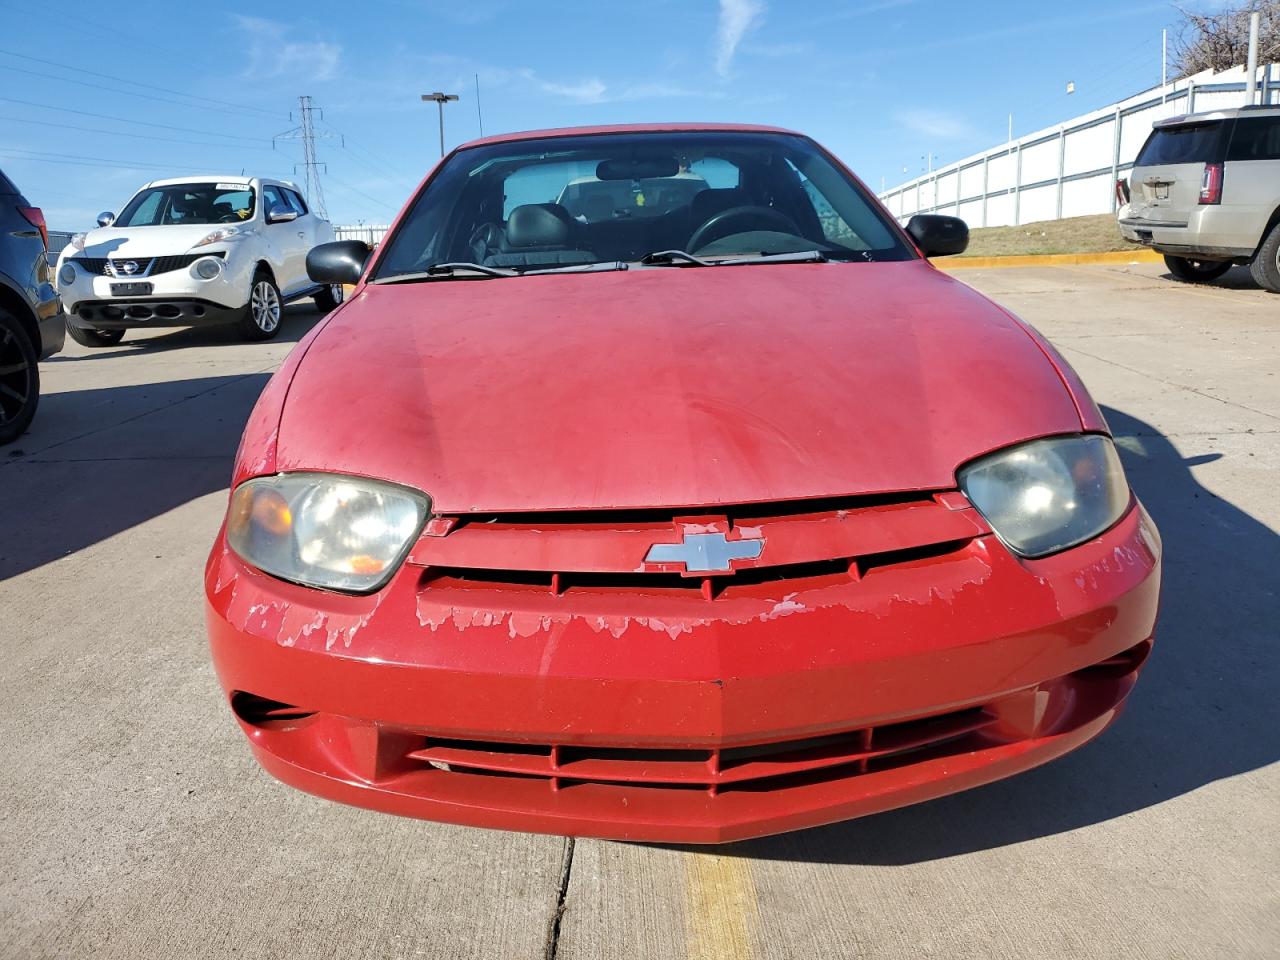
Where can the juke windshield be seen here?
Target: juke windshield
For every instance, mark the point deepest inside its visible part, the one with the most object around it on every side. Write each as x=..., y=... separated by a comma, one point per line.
x=193, y=203
x=565, y=202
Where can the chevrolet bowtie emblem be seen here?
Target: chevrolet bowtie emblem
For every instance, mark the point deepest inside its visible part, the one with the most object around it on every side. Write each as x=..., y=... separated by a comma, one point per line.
x=705, y=552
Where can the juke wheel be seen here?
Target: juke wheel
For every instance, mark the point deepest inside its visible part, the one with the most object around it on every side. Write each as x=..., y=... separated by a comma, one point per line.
x=19, y=378
x=1190, y=270
x=328, y=298
x=1266, y=262
x=95, y=338
x=261, y=318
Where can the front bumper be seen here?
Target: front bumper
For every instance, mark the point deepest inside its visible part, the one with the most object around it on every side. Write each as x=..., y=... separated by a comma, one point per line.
x=716, y=721
x=228, y=291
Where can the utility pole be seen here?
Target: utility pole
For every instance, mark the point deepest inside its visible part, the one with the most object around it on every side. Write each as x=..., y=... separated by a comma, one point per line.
x=440, y=100
x=1251, y=85
x=306, y=132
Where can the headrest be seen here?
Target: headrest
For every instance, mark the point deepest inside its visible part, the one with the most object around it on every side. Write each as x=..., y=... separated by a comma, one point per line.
x=539, y=225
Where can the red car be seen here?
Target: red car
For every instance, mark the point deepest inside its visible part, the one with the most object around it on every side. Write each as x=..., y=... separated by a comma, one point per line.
x=653, y=485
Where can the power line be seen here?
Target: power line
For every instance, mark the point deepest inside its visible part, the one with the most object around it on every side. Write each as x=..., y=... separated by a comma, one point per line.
x=136, y=83
x=141, y=123
x=102, y=162
x=306, y=132
x=360, y=193
x=135, y=136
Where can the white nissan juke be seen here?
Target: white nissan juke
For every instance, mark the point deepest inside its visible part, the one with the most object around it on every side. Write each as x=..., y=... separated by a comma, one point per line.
x=194, y=251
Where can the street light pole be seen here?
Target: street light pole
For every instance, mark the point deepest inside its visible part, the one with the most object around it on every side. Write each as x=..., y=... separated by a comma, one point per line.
x=440, y=100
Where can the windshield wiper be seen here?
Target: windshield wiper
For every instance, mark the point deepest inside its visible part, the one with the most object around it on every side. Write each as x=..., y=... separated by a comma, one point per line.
x=680, y=257
x=602, y=267
x=444, y=271
x=668, y=257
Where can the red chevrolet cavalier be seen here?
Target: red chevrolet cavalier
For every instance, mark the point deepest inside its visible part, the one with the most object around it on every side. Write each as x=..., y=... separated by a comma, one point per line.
x=652, y=484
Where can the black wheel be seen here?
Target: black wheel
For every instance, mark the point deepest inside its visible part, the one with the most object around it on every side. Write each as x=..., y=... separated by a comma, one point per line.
x=328, y=298
x=1190, y=270
x=1266, y=262
x=261, y=317
x=95, y=338
x=19, y=378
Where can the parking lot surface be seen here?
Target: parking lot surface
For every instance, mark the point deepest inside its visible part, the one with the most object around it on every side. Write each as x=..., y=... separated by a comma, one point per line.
x=136, y=823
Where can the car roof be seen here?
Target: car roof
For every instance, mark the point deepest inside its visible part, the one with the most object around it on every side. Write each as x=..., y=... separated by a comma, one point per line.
x=625, y=128
x=226, y=178
x=1190, y=119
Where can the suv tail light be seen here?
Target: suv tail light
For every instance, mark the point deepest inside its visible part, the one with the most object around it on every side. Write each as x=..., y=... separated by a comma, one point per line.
x=1211, y=183
x=1122, y=191
x=35, y=217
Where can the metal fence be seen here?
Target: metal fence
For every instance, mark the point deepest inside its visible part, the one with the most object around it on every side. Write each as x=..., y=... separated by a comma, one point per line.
x=371, y=234
x=1069, y=170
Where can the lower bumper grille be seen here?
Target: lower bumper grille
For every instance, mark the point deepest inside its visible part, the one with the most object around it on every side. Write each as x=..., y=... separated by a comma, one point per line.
x=756, y=767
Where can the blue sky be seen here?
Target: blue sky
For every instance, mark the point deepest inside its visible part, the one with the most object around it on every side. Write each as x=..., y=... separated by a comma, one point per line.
x=175, y=88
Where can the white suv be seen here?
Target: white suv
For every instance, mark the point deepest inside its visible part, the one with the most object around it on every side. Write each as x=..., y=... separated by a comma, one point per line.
x=194, y=251
x=1205, y=192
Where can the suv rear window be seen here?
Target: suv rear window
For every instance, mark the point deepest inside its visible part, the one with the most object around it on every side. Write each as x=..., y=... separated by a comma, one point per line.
x=1255, y=138
x=1197, y=143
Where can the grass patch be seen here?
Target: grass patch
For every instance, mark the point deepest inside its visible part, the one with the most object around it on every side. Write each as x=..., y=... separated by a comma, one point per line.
x=1094, y=234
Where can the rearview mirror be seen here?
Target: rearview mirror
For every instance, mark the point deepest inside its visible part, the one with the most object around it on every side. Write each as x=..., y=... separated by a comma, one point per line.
x=341, y=261
x=938, y=236
x=106, y=218
x=638, y=168
x=281, y=214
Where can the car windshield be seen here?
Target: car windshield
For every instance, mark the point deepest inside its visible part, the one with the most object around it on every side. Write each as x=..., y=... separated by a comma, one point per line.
x=195, y=203
x=607, y=198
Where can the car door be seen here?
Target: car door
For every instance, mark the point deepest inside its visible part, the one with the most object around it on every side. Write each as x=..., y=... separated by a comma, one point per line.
x=288, y=240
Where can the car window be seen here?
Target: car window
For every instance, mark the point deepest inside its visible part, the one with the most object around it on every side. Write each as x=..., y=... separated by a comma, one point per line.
x=617, y=197
x=273, y=196
x=188, y=203
x=1255, y=138
x=296, y=201
x=1196, y=143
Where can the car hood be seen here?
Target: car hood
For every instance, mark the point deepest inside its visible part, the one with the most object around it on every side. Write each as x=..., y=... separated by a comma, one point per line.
x=122, y=242
x=668, y=387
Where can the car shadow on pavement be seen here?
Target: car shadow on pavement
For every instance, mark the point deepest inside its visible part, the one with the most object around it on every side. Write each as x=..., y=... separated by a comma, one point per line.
x=1204, y=709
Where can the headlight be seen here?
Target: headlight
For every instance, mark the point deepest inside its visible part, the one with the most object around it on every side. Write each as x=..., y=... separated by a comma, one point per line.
x=1047, y=495
x=206, y=268
x=222, y=234
x=77, y=241
x=325, y=530
x=67, y=275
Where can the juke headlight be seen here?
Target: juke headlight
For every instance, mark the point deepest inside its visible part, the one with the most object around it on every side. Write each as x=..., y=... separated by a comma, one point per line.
x=221, y=235
x=1047, y=495
x=325, y=530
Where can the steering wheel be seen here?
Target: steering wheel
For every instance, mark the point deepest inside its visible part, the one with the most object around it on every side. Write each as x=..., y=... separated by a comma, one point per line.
x=229, y=218
x=488, y=234
x=737, y=220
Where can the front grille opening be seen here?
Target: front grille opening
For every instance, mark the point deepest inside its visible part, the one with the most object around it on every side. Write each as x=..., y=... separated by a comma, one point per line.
x=1121, y=665
x=490, y=746
x=267, y=714
x=570, y=755
x=893, y=558
x=735, y=512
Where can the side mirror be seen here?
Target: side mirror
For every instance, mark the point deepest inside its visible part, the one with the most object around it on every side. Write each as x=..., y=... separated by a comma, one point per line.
x=106, y=218
x=938, y=236
x=341, y=261
x=281, y=214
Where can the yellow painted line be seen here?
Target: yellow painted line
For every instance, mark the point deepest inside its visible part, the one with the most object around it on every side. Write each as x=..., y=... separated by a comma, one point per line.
x=723, y=916
x=1050, y=260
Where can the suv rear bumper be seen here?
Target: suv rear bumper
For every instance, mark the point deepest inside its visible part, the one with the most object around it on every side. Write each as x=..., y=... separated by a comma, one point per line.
x=1211, y=233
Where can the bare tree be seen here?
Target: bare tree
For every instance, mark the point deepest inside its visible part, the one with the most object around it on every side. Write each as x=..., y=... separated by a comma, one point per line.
x=1219, y=41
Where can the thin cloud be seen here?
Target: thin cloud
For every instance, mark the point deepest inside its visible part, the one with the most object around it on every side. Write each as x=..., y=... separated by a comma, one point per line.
x=737, y=18
x=936, y=125
x=272, y=55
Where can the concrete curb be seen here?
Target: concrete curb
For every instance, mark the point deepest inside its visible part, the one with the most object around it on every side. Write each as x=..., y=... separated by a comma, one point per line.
x=1051, y=260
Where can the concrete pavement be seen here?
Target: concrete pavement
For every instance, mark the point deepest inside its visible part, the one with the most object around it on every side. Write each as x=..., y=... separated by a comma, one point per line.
x=136, y=823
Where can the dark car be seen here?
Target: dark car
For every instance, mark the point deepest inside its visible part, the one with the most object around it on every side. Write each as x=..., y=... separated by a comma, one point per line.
x=32, y=326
